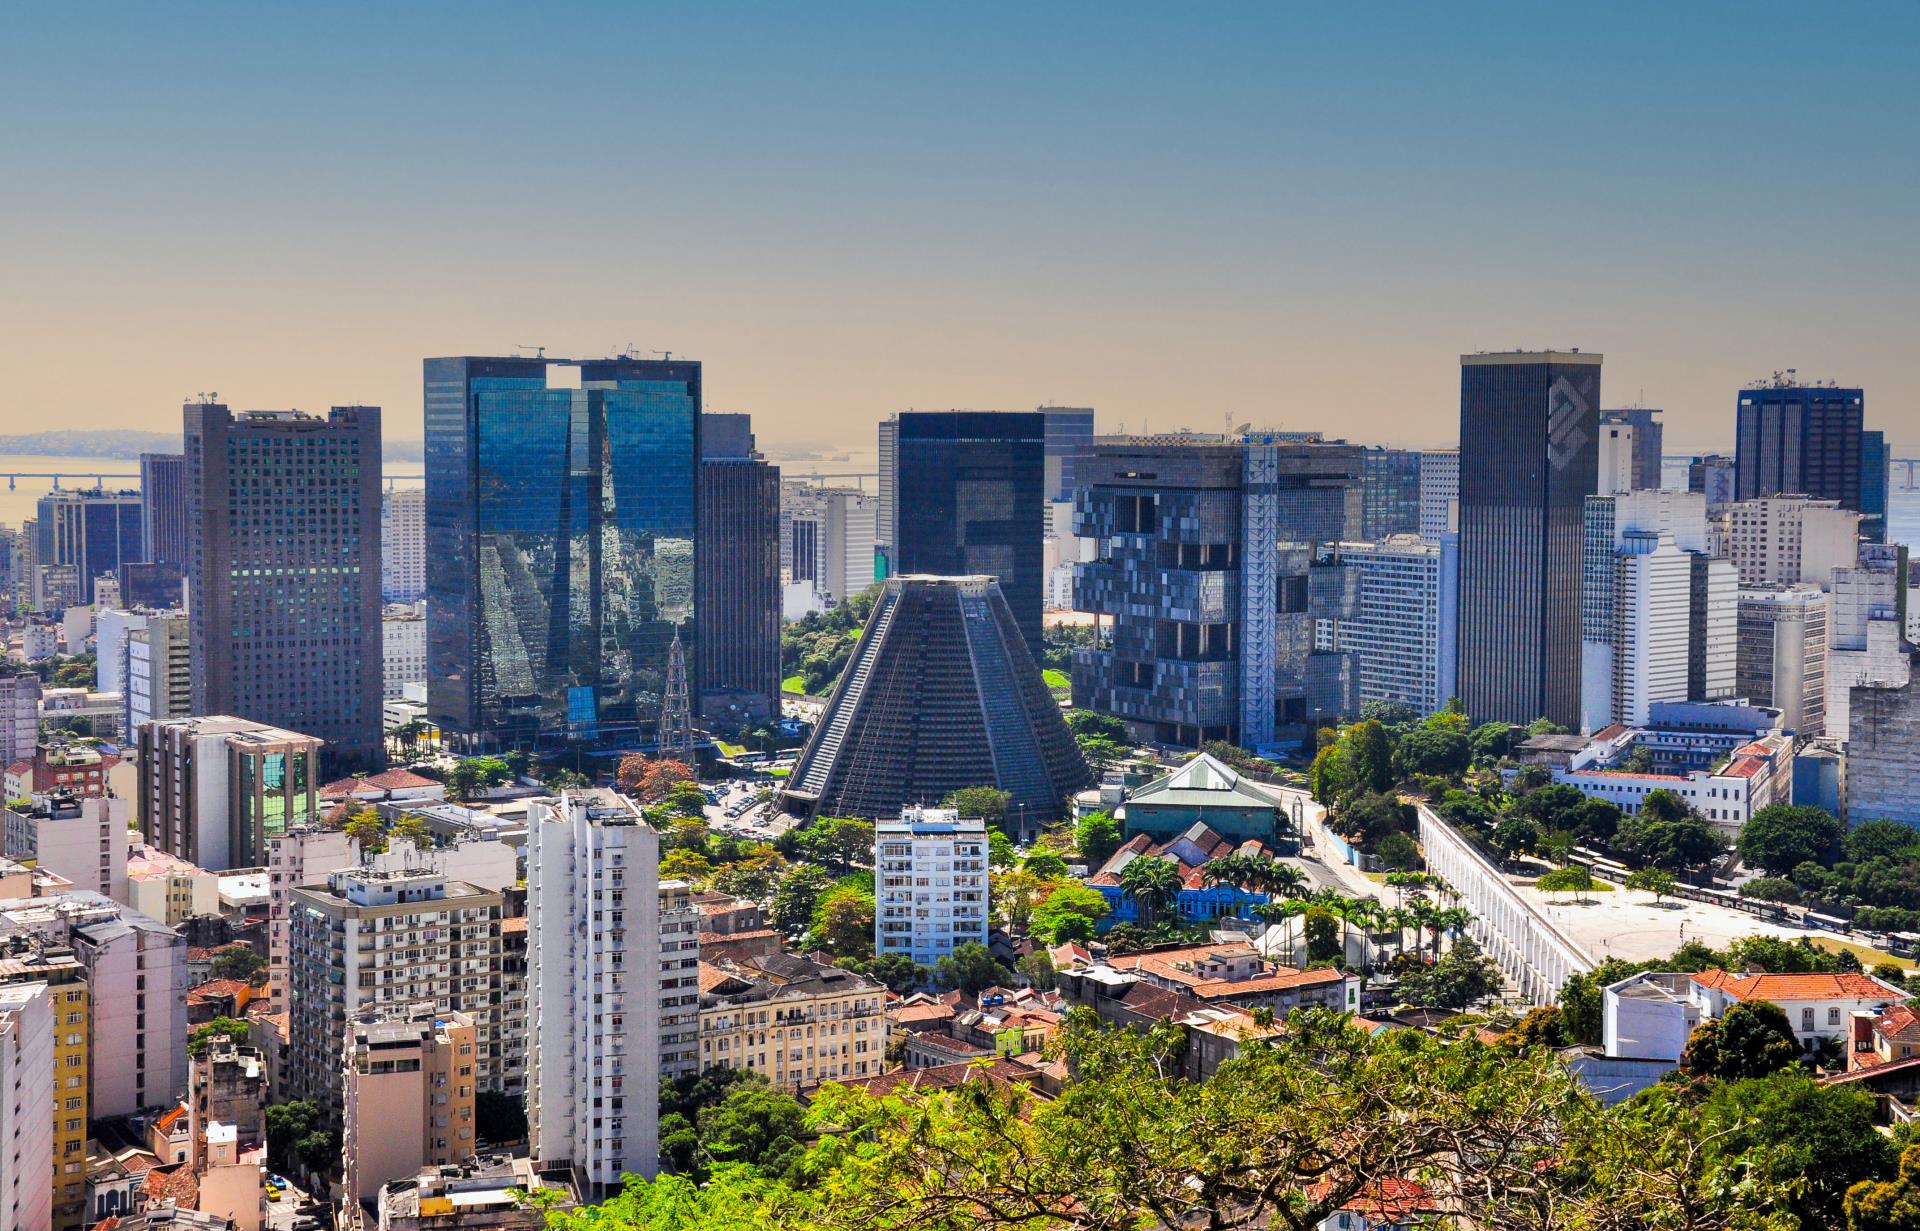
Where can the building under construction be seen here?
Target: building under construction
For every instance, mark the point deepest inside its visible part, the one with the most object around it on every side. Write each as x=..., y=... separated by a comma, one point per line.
x=940, y=694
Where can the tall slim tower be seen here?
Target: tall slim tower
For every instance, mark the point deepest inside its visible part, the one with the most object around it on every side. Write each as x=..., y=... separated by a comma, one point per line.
x=737, y=561
x=676, y=725
x=561, y=522
x=163, y=506
x=1529, y=423
x=283, y=571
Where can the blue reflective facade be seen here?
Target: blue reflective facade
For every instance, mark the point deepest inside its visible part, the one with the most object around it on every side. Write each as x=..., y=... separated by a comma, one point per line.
x=560, y=544
x=95, y=532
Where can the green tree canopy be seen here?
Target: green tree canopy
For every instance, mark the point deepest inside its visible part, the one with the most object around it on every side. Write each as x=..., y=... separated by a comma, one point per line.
x=1068, y=912
x=1780, y=837
x=972, y=968
x=1097, y=835
x=1751, y=1039
x=986, y=802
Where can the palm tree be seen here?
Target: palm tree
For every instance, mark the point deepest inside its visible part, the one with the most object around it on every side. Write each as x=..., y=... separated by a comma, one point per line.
x=1421, y=915
x=1227, y=870
x=1286, y=880
x=1153, y=883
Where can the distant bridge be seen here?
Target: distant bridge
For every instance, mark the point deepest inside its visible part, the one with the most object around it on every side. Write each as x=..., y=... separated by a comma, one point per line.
x=99, y=477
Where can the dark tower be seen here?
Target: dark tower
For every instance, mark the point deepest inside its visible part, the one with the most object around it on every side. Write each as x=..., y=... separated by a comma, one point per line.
x=1794, y=439
x=939, y=695
x=283, y=572
x=968, y=493
x=737, y=566
x=1529, y=458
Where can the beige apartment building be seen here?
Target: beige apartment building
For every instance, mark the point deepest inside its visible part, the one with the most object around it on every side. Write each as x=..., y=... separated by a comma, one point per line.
x=410, y=1081
x=791, y=1019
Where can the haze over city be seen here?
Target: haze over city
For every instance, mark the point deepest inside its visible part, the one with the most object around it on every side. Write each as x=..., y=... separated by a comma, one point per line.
x=1268, y=215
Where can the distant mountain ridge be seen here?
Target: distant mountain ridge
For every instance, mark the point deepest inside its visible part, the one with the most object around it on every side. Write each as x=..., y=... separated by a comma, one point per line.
x=118, y=443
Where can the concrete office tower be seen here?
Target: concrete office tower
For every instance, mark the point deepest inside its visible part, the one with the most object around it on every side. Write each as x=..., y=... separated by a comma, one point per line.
x=302, y=855
x=1867, y=642
x=1782, y=655
x=849, y=519
x=970, y=497
x=1883, y=751
x=1616, y=459
x=1532, y=420
x=1389, y=493
x=82, y=839
x=1795, y=439
x=163, y=507
x=561, y=513
x=28, y=1107
x=409, y=1095
x=1392, y=608
x=1713, y=476
x=216, y=790
x=1202, y=584
x=283, y=587
x=737, y=565
x=368, y=940
x=90, y=532
x=19, y=716
x=403, y=544
x=1649, y=434
x=1659, y=614
x=940, y=694
x=594, y=987
x=1784, y=540
x=1069, y=438
x=801, y=516
x=403, y=650
x=930, y=884
x=156, y=665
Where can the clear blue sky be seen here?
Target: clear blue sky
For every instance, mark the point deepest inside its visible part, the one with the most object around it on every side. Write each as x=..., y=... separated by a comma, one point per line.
x=1174, y=213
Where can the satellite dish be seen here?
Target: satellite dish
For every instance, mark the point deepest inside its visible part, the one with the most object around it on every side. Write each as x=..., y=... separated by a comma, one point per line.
x=1243, y=429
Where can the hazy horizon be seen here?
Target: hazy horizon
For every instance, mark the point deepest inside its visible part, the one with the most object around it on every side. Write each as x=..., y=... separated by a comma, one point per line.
x=1297, y=218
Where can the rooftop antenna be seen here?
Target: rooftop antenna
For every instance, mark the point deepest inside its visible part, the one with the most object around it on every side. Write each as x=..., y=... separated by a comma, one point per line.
x=664, y=355
x=540, y=351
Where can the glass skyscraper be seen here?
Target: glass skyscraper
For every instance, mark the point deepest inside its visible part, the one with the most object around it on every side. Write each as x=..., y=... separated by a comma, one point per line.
x=970, y=488
x=1529, y=458
x=92, y=532
x=561, y=518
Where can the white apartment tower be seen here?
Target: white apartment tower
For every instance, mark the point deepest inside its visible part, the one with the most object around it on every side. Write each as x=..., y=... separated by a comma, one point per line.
x=403, y=649
x=1867, y=643
x=1397, y=617
x=679, y=980
x=403, y=545
x=1659, y=615
x=930, y=879
x=303, y=855
x=27, y=1106
x=594, y=975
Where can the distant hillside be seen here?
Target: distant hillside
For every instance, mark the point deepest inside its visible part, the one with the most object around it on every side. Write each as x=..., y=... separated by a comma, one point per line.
x=130, y=444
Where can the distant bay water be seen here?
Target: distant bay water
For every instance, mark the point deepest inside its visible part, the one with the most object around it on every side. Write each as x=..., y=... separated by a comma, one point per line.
x=20, y=501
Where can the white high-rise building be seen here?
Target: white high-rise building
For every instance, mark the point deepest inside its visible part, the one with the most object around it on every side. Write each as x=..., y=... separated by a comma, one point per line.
x=1659, y=615
x=1783, y=654
x=1616, y=459
x=403, y=649
x=679, y=980
x=1866, y=642
x=852, y=519
x=1398, y=618
x=159, y=673
x=81, y=838
x=594, y=976
x=1785, y=540
x=27, y=1106
x=930, y=884
x=1439, y=493
x=403, y=545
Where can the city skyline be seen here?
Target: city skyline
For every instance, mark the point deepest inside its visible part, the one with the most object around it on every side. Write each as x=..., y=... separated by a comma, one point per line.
x=1290, y=219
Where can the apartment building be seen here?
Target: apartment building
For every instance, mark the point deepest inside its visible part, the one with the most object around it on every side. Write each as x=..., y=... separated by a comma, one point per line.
x=1783, y=540
x=216, y=789
x=27, y=961
x=369, y=940
x=930, y=873
x=83, y=839
x=795, y=1021
x=303, y=855
x=594, y=987
x=164, y=887
x=26, y=1097
x=410, y=1080
x=680, y=921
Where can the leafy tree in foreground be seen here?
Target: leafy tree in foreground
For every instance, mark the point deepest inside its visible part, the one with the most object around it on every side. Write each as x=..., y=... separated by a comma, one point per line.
x=238, y=962
x=972, y=969
x=1068, y=913
x=1097, y=835
x=1751, y=1039
x=1780, y=837
x=1819, y=1139
x=1458, y=978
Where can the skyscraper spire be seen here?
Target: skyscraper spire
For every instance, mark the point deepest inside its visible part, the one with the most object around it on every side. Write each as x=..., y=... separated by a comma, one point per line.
x=676, y=720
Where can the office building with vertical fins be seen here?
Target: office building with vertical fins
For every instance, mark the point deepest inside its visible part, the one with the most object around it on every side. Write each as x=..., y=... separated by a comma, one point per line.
x=1531, y=427
x=163, y=507
x=940, y=694
x=737, y=562
x=561, y=512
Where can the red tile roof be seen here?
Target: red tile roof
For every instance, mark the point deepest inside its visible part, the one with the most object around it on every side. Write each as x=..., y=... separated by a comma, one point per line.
x=1388, y=1200
x=514, y=923
x=1002, y=1073
x=1612, y=732
x=400, y=780
x=166, y=1122
x=1849, y=986
x=214, y=989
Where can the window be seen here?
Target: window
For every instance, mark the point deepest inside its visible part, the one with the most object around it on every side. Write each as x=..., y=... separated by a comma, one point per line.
x=1806, y=1020
x=1833, y=1017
